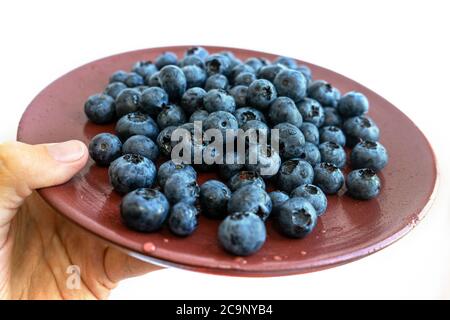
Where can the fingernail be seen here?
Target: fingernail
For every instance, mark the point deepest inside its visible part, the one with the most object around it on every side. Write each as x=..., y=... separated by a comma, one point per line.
x=68, y=151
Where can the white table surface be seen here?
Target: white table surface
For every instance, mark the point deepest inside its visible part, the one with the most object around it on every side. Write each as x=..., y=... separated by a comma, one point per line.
x=398, y=49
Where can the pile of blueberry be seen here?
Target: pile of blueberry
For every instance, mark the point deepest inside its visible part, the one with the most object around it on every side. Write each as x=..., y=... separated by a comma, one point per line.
x=315, y=123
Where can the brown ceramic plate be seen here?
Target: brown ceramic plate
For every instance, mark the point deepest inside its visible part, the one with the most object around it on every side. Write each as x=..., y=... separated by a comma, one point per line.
x=348, y=231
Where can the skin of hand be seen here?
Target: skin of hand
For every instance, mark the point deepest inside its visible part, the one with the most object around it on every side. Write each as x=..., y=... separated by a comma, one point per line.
x=37, y=245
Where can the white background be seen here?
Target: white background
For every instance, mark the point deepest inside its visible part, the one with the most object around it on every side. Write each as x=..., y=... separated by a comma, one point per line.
x=399, y=49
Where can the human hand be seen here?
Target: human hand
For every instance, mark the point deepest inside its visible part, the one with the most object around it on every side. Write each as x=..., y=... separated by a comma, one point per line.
x=37, y=245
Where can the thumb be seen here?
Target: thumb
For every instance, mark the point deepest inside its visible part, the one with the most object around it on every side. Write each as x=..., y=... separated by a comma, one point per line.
x=26, y=167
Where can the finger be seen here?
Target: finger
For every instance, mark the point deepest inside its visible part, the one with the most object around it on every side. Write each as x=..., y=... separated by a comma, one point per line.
x=26, y=167
x=119, y=265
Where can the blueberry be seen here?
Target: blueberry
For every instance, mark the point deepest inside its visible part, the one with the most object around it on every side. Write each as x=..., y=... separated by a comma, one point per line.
x=164, y=142
x=214, y=196
x=217, y=63
x=197, y=51
x=144, y=210
x=242, y=233
x=192, y=60
x=165, y=59
x=144, y=68
x=260, y=128
x=256, y=63
x=104, y=148
x=189, y=127
x=287, y=62
x=313, y=195
x=118, y=76
x=251, y=198
x=171, y=115
x=240, y=68
x=136, y=123
x=291, y=83
x=216, y=81
x=270, y=72
x=310, y=132
x=100, y=108
x=353, y=104
x=246, y=114
x=153, y=80
x=311, y=111
x=283, y=109
x=324, y=93
x=131, y=171
x=293, y=173
x=134, y=80
x=181, y=187
x=199, y=115
x=141, y=145
x=219, y=100
x=360, y=128
x=267, y=163
x=369, y=154
x=114, y=88
x=239, y=93
x=173, y=81
x=153, y=100
x=245, y=178
x=183, y=219
x=170, y=168
x=233, y=61
x=195, y=76
x=306, y=72
x=244, y=78
x=332, y=117
x=229, y=168
x=222, y=121
x=333, y=153
x=328, y=177
x=142, y=88
x=333, y=134
x=296, y=218
x=363, y=184
x=291, y=140
x=261, y=93
x=193, y=100
x=128, y=100
x=277, y=198
x=310, y=153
